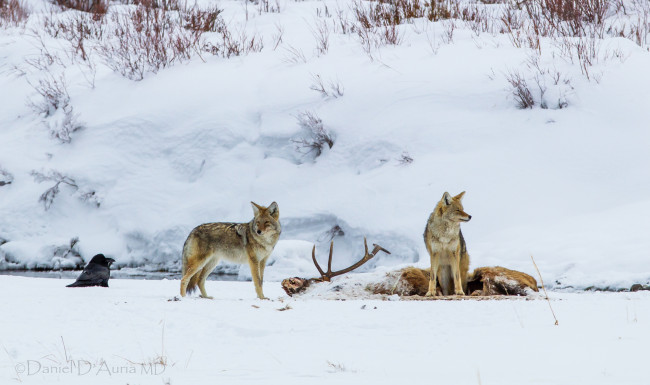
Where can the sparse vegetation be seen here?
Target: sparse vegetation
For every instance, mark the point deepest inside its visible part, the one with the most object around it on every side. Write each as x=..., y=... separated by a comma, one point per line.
x=316, y=135
x=520, y=90
x=405, y=159
x=552, y=86
x=335, y=367
x=47, y=198
x=333, y=89
x=294, y=55
x=321, y=33
x=148, y=39
x=13, y=13
x=97, y=7
x=67, y=252
x=54, y=106
x=5, y=177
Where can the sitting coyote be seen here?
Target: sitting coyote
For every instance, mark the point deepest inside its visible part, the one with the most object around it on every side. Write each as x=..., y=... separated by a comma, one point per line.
x=446, y=246
x=250, y=242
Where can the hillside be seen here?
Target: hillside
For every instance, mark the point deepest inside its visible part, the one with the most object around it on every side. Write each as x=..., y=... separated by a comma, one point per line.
x=125, y=137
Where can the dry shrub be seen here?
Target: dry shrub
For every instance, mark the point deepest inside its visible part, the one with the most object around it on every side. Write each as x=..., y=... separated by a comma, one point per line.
x=13, y=13
x=551, y=88
x=203, y=20
x=147, y=39
x=575, y=27
x=376, y=23
x=520, y=90
x=151, y=36
x=54, y=106
x=5, y=178
x=265, y=6
x=97, y=7
x=333, y=89
x=167, y=5
x=234, y=43
x=636, y=26
x=316, y=135
x=80, y=30
x=47, y=198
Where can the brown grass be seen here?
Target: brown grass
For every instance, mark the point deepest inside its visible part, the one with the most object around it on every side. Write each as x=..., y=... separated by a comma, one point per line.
x=13, y=13
x=541, y=280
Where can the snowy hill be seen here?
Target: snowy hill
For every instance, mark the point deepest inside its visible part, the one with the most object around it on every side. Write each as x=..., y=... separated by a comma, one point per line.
x=132, y=165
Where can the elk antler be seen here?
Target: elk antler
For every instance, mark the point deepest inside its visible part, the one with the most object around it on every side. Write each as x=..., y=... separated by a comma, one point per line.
x=326, y=276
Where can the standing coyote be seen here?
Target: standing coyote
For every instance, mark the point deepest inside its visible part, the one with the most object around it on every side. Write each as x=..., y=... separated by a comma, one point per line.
x=250, y=242
x=446, y=246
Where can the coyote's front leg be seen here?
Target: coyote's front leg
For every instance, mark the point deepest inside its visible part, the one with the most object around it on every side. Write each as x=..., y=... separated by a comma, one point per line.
x=255, y=272
x=433, y=275
x=455, y=274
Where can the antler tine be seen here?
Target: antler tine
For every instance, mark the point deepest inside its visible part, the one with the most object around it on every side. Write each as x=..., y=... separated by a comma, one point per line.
x=377, y=249
x=313, y=257
x=366, y=257
x=329, y=261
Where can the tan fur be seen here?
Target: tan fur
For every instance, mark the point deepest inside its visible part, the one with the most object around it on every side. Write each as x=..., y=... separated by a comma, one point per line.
x=240, y=243
x=483, y=281
x=406, y=282
x=498, y=280
x=446, y=246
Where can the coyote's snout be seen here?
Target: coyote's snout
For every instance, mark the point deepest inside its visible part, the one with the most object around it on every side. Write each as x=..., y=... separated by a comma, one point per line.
x=250, y=242
x=446, y=246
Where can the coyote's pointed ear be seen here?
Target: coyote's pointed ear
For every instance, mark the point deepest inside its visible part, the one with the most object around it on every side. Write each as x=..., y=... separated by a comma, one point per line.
x=446, y=198
x=460, y=196
x=256, y=208
x=274, y=210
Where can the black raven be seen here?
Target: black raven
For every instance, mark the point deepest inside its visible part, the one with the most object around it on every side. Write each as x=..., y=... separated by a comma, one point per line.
x=96, y=273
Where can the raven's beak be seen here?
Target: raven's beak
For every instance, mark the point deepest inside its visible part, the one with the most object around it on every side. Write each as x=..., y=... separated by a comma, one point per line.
x=110, y=261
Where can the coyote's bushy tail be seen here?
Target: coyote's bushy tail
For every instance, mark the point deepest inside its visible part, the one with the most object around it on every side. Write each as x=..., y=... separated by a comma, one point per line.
x=194, y=280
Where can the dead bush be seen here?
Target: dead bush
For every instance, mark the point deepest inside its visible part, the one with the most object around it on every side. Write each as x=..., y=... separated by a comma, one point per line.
x=321, y=33
x=67, y=253
x=167, y=5
x=405, y=159
x=54, y=106
x=203, y=20
x=97, y=7
x=13, y=13
x=234, y=43
x=265, y=6
x=47, y=198
x=5, y=177
x=575, y=18
x=636, y=26
x=147, y=39
x=520, y=90
x=53, y=93
x=316, y=135
x=80, y=30
x=377, y=25
x=333, y=89
x=551, y=88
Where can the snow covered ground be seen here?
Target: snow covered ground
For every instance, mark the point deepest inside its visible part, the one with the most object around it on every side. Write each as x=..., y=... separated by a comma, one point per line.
x=198, y=140
x=56, y=335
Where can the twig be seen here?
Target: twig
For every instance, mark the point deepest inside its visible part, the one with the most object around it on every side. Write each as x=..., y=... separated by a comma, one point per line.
x=65, y=351
x=544, y=288
x=188, y=359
